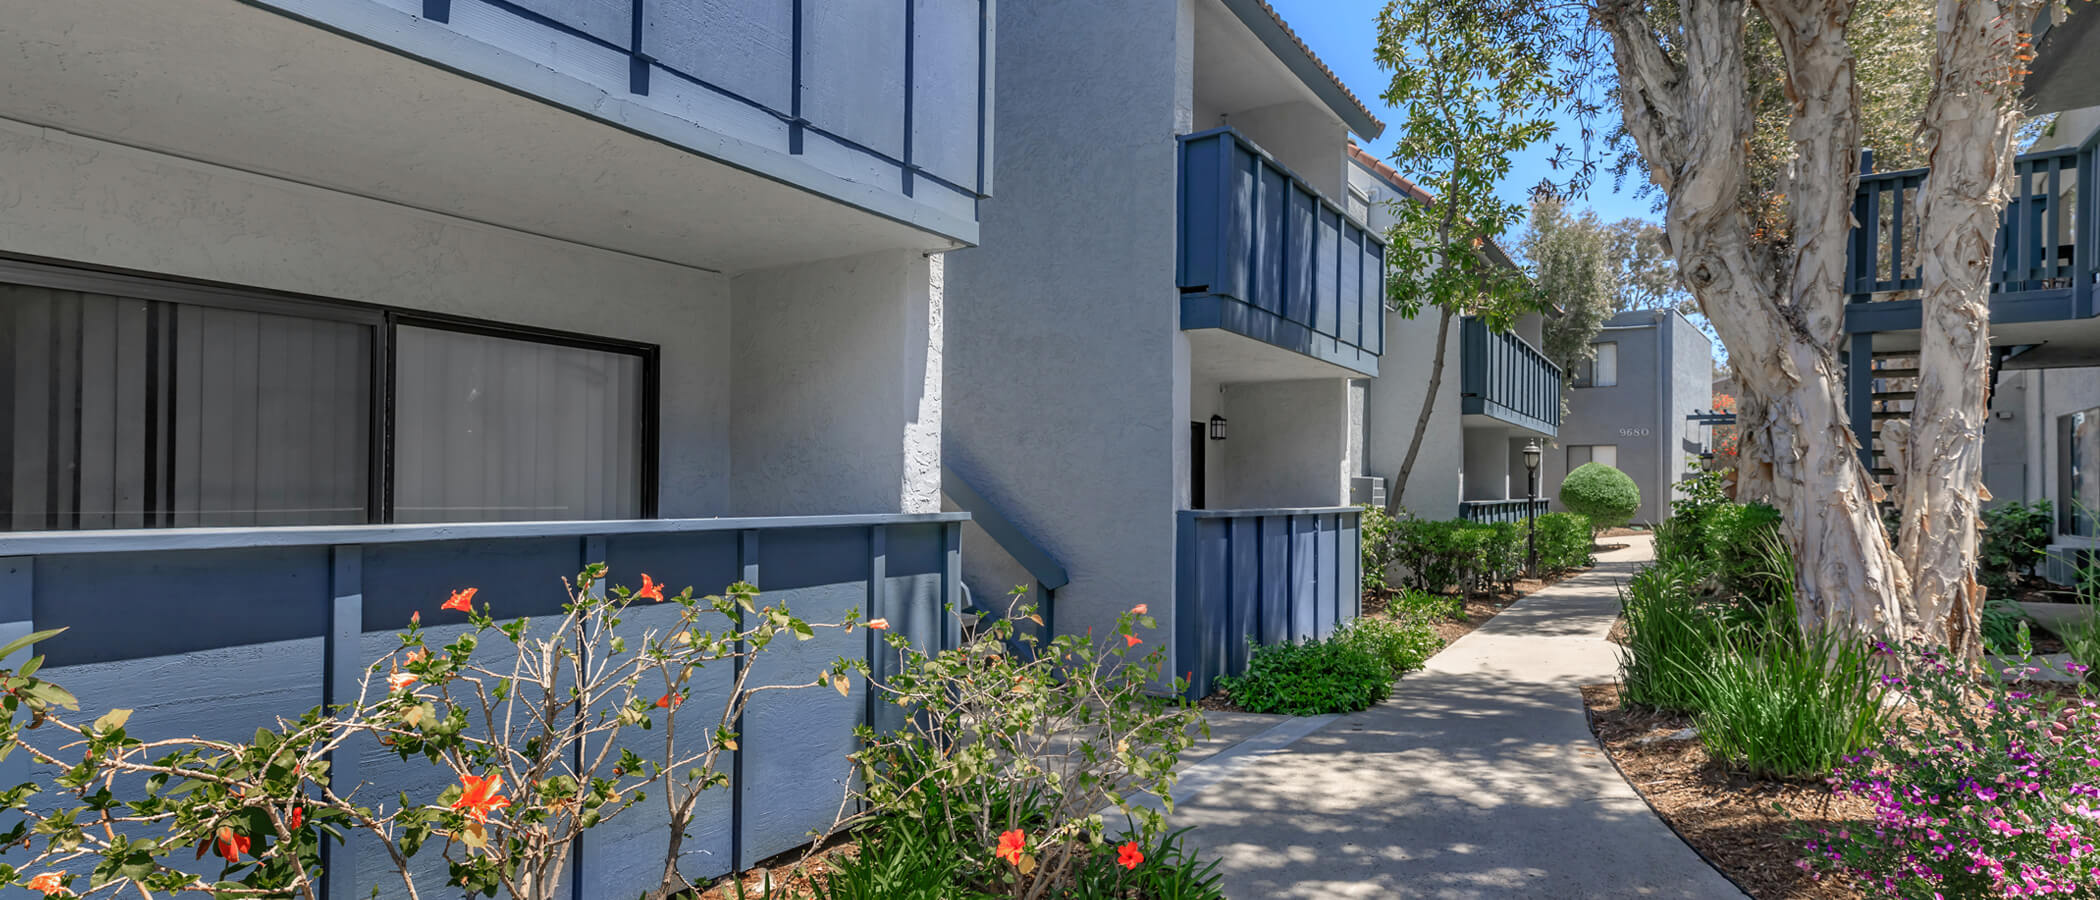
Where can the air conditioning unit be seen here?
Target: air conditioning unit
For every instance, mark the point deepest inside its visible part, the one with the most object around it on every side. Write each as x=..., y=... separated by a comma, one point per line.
x=1367, y=490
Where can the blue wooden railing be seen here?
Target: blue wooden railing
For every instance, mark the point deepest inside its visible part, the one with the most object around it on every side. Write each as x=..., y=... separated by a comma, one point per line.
x=216, y=631
x=2042, y=262
x=1504, y=377
x=1488, y=511
x=1263, y=254
x=1261, y=575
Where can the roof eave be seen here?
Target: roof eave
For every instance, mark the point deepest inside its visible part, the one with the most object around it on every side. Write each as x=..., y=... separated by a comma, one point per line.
x=1278, y=37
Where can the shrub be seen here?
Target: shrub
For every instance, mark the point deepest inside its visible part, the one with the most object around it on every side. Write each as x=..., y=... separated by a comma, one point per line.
x=1439, y=555
x=2082, y=640
x=1564, y=542
x=1749, y=553
x=1424, y=606
x=1379, y=534
x=2015, y=536
x=1606, y=495
x=1025, y=747
x=1310, y=679
x=1503, y=553
x=2004, y=626
x=1402, y=644
x=1779, y=704
x=1669, y=638
x=1990, y=792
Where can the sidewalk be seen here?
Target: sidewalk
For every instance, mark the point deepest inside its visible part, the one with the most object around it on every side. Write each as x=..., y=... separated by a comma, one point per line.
x=1478, y=778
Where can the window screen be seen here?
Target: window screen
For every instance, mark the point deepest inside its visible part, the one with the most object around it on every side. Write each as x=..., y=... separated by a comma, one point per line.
x=2078, y=471
x=132, y=413
x=493, y=428
x=1601, y=370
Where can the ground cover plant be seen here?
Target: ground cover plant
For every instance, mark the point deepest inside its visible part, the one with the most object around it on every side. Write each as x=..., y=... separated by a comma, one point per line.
x=1310, y=678
x=2013, y=542
x=1992, y=790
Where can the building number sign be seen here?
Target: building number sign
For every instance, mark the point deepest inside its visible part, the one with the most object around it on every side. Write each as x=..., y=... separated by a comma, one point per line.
x=1633, y=432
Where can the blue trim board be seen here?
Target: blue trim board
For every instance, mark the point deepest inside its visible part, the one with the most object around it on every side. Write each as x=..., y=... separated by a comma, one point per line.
x=1247, y=320
x=1475, y=405
x=2006, y=309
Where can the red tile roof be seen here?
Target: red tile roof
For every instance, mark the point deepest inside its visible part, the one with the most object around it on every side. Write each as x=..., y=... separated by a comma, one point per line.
x=1322, y=64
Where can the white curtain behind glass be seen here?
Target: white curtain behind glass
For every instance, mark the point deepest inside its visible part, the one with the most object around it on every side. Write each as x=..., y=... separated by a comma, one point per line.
x=497, y=429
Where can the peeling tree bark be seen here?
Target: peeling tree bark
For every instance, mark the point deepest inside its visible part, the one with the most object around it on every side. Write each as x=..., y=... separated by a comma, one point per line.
x=1968, y=130
x=1780, y=318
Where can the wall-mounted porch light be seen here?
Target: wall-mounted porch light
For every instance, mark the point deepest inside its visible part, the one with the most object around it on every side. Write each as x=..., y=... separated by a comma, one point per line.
x=1217, y=428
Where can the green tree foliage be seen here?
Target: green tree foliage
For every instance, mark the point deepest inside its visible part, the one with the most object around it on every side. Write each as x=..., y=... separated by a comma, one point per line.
x=1571, y=263
x=1603, y=493
x=1468, y=79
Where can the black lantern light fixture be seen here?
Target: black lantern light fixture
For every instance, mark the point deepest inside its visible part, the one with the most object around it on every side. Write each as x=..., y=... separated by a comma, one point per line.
x=1531, y=457
x=1217, y=428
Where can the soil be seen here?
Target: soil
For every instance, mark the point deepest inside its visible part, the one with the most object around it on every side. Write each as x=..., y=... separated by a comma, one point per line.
x=790, y=874
x=1622, y=531
x=1742, y=826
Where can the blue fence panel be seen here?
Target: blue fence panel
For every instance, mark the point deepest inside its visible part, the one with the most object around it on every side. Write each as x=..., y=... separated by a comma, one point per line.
x=1265, y=576
x=215, y=632
x=1489, y=511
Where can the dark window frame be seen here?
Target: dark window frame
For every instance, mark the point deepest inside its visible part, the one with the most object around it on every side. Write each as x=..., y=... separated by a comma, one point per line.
x=383, y=320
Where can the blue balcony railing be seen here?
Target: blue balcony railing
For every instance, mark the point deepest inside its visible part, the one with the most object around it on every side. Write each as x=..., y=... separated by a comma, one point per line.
x=1491, y=511
x=1263, y=575
x=216, y=631
x=1263, y=254
x=2042, y=262
x=1503, y=377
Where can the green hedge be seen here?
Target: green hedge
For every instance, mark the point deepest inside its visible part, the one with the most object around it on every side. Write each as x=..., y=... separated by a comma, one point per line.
x=1440, y=555
x=1564, y=542
x=1608, y=496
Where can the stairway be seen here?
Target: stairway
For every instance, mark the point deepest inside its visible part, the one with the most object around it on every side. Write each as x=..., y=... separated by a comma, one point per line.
x=1895, y=394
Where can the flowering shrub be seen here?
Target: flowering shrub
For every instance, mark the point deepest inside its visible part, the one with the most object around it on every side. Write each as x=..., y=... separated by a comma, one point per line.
x=531, y=732
x=1011, y=748
x=1994, y=791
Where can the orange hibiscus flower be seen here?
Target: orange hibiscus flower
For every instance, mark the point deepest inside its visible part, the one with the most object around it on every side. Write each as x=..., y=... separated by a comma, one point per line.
x=1128, y=856
x=48, y=884
x=462, y=600
x=650, y=589
x=1010, y=844
x=480, y=797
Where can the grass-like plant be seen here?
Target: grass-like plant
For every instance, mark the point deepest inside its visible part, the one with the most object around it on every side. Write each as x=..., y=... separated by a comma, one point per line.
x=1782, y=704
x=1670, y=638
x=2082, y=641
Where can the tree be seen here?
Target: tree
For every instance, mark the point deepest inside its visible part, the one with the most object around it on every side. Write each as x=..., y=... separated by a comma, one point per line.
x=1468, y=82
x=1571, y=265
x=1685, y=92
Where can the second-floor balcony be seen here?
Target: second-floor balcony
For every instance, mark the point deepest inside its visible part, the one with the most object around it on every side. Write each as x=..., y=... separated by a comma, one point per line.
x=1265, y=255
x=2043, y=261
x=1503, y=377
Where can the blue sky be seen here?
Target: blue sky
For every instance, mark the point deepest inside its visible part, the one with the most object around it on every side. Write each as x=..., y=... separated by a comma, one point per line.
x=1344, y=34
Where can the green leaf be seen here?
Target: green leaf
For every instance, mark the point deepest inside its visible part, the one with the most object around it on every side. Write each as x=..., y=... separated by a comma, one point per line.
x=10, y=647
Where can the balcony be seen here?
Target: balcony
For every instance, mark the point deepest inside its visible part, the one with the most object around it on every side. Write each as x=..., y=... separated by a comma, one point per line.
x=1264, y=255
x=215, y=631
x=1506, y=379
x=2042, y=263
x=1488, y=512
x=1269, y=576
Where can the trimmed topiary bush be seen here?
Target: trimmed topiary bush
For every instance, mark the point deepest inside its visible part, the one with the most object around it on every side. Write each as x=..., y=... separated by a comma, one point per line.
x=1608, y=496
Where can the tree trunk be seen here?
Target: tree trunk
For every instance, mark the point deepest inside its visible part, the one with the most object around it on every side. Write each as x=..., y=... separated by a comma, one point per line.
x=1398, y=489
x=1968, y=130
x=1753, y=448
x=1781, y=319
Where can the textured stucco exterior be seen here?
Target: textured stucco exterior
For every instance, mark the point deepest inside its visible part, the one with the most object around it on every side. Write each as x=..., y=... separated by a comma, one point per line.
x=1288, y=447
x=1392, y=405
x=1665, y=374
x=1061, y=400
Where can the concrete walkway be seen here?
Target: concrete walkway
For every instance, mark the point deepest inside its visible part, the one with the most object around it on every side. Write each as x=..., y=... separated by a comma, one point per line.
x=1479, y=778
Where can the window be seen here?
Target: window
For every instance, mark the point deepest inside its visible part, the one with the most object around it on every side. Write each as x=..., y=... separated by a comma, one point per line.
x=147, y=405
x=1578, y=454
x=1601, y=370
x=2078, y=471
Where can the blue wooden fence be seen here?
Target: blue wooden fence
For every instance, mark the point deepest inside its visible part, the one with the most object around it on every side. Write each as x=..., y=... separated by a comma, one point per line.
x=1263, y=254
x=1488, y=511
x=216, y=631
x=1503, y=377
x=1265, y=575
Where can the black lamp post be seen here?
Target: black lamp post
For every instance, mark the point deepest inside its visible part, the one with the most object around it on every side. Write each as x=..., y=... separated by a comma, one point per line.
x=1531, y=505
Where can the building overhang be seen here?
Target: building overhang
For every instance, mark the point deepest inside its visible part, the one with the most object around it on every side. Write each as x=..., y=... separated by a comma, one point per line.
x=1275, y=34
x=2065, y=73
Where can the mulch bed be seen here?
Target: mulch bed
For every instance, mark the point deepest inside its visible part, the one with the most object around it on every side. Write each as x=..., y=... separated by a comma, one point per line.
x=1730, y=819
x=790, y=874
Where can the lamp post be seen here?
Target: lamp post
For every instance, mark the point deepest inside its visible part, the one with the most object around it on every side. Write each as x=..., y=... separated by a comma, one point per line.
x=1531, y=505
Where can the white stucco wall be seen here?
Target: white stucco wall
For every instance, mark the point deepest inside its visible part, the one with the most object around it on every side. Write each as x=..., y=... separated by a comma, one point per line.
x=1288, y=444
x=1065, y=405
x=78, y=199
x=835, y=387
x=1487, y=462
x=1393, y=400
x=1309, y=140
x=2006, y=436
x=2055, y=393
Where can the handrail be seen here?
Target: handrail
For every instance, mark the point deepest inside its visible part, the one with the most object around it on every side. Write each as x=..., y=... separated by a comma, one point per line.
x=1039, y=563
x=133, y=540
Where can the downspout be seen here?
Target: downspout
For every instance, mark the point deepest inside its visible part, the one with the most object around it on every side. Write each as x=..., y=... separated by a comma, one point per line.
x=1666, y=389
